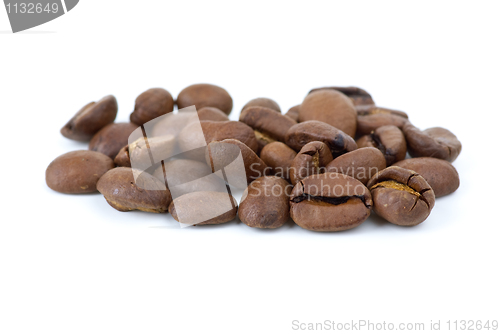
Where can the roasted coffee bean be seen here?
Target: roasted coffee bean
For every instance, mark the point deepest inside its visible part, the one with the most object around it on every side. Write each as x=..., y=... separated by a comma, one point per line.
x=263, y=102
x=204, y=208
x=191, y=137
x=293, y=113
x=205, y=95
x=111, y=139
x=312, y=159
x=144, y=152
x=122, y=159
x=434, y=142
x=220, y=154
x=332, y=107
x=124, y=193
x=389, y=140
x=440, y=174
x=172, y=124
x=268, y=125
x=265, y=203
x=279, y=157
x=212, y=114
x=329, y=202
x=401, y=196
x=371, y=117
x=151, y=104
x=90, y=119
x=366, y=110
x=357, y=95
x=77, y=172
x=361, y=164
x=183, y=176
x=302, y=133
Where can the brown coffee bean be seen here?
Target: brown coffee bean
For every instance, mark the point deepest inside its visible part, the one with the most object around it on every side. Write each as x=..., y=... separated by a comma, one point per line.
x=77, y=172
x=172, y=124
x=145, y=152
x=122, y=159
x=361, y=164
x=440, y=174
x=205, y=95
x=293, y=113
x=312, y=159
x=217, y=131
x=434, y=142
x=302, y=133
x=265, y=203
x=90, y=119
x=124, y=193
x=389, y=139
x=212, y=114
x=268, y=125
x=204, y=208
x=332, y=107
x=371, y=117
x=263, y=102
x=279, y=157
x=151, y=104
x=329, y=202
x=111, y=139
x=357, y=95
x=401, y=196
x=185, y=176
x=220, y=154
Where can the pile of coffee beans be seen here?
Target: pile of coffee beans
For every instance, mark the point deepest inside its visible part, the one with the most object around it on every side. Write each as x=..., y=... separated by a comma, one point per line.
x=327, y=163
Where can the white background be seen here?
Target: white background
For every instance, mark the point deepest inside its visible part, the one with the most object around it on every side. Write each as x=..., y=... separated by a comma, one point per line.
x=72, y=264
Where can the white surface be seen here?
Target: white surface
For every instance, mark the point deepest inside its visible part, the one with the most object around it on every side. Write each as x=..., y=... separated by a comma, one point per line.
x=72, y=264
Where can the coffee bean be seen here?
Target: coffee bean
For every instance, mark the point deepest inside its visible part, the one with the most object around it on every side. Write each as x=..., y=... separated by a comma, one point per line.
x=265, y=203
x=204, y=208
x=151, y=104
x=111, y=139
x=293, y=113
x=302, y=133
x=191, y=137
x=212, y=114
x=278, y=156
x=361, y=164
x=401, y=196
x=440, y=174
x=77, y=172
x=122, y=159
x=91, y=118
x=171, y=124
x=312, y=159
x=205, y=95
x=263, y=102
x=268, y=125
x=434, y=142
x=124, y=193
x=357, y=95
x=371, y=118
x=145, y=152
x=329, y=202
x=222, y=154
x=332, y=107
x=185, y=176
x=389, y=140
